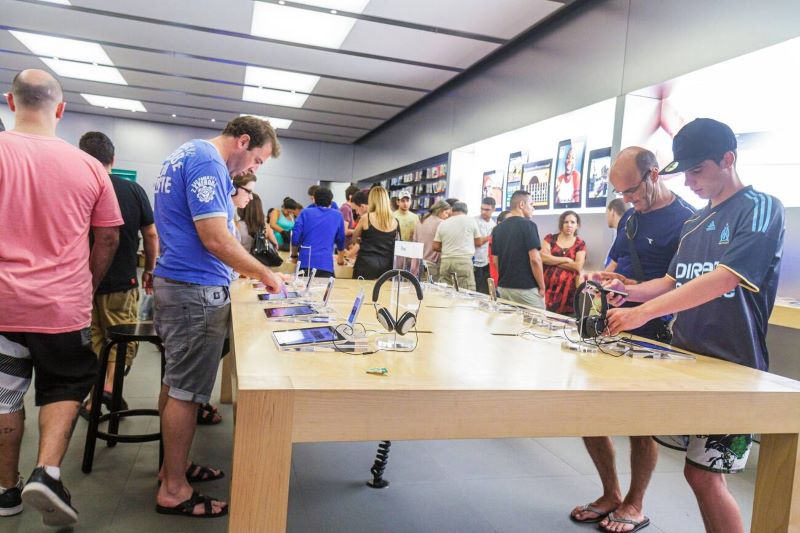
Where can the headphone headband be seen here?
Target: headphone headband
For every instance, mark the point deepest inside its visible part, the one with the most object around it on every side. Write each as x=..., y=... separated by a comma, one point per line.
x=389, y=274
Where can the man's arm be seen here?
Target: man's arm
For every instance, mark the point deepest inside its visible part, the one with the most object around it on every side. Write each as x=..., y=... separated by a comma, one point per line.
x=478, y=241
x=214, y=235
x=536, y=267
x=437, y=246
x=105, y=245
x=150, y=244
x=692, y=294
x=612, y=266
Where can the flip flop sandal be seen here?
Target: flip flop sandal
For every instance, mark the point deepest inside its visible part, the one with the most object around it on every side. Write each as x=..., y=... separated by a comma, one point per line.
x=637, y=526
x=206, y=417
x=589, y=507
x=186, y=508
x=198, y=474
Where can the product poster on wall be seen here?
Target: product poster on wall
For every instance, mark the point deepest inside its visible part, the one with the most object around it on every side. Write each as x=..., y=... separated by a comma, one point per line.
x=514, y=177
x=493, y=187
x=536, y=180
x=597, y=177
x=569, y=163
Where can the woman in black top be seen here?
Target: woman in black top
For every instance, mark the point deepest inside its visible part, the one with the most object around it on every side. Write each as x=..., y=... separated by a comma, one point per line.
x=375, y=233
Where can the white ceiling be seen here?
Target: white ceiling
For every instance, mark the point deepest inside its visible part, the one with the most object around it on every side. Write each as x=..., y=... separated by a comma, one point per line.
x=188, y=57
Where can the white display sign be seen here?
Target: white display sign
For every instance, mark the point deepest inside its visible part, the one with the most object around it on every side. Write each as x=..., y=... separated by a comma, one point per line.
x=408, y=249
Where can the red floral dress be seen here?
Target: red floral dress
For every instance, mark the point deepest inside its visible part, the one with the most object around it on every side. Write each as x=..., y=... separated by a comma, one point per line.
x=560, y=282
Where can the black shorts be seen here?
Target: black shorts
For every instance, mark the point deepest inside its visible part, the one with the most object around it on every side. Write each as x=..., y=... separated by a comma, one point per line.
x=64, y=365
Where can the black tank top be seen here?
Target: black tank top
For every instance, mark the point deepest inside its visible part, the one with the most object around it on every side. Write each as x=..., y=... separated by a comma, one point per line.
x=376, y=253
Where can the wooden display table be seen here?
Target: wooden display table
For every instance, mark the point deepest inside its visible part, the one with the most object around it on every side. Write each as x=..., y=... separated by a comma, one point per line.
x=786, y=313
x=462, y=382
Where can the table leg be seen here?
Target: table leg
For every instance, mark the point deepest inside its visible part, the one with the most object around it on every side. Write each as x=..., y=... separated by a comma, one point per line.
x=262, y=457
x=776, y=506
x=226, y=386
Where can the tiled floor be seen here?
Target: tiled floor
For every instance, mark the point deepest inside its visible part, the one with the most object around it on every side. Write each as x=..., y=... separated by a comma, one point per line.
x=481, y=486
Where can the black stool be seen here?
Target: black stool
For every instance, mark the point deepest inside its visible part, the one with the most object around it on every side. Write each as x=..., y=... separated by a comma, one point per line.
x=118, y=336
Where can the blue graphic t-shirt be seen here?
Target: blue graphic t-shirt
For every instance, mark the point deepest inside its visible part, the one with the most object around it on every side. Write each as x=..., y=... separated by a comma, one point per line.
x=194, y=184
x=655, y=237
x=743, y=234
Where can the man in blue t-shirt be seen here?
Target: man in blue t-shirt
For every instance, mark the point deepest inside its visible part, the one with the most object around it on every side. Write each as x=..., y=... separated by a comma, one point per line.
x=317, y=230
x=722, y=282
x=194, y=218
x=652, y=228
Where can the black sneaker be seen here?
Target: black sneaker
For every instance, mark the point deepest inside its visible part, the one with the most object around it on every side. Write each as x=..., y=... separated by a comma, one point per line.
x=49, y=496
x=11, y=500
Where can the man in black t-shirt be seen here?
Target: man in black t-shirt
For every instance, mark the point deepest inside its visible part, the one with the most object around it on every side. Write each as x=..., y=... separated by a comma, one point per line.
x=515, y=252
x=116, y=300
x=722, y=283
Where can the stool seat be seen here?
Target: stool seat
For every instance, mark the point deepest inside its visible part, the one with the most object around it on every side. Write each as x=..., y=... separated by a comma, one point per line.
x=139, y=332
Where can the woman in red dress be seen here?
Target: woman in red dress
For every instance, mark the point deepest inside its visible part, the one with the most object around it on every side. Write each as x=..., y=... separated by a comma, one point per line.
x=563, y=255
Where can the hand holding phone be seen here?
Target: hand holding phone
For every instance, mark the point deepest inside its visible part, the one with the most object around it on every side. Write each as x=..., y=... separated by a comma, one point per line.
x=615, y=292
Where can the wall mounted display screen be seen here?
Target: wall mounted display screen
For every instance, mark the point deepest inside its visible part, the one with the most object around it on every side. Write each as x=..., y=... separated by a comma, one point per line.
x=536, y=180
x=569, y=163
x=493, y=187
x=597, y=177
x=514, y=178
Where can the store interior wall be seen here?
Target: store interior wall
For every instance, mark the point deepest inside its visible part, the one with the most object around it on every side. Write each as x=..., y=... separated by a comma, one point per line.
x=142, y=146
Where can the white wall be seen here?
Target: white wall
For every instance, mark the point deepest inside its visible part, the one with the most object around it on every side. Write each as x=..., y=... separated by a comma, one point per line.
x=142, y=146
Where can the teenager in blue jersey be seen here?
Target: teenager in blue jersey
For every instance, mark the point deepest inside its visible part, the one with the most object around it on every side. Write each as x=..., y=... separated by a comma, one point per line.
x=722, y=283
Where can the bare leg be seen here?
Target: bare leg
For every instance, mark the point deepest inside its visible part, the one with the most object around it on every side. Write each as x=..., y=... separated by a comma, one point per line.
x=109, y=384
x=720, y=511
x=56, y=422
x=601, y=450
x=644, y=455
x=178, y=422
x=11, y=428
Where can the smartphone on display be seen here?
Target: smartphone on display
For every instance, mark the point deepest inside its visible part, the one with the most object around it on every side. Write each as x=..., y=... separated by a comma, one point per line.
x=637, y=345
x=296, y=310
x=328, y=291
x=454, y=279
x=615, y=292
x=310, y=279
x=492, y=289
x=351, y=320
x=299, y=337
x=278, y=296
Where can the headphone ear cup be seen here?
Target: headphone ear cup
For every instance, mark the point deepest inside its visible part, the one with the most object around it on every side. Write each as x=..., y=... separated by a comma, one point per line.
x=405, y=323
x=385, y=319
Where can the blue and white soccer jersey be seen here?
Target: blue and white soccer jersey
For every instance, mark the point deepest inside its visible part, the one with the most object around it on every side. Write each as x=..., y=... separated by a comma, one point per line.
x=16, y=369
x=744, y=235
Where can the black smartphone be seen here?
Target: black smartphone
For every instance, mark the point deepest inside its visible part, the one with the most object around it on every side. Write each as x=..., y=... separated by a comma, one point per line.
x=616, y=292
x=297, y=310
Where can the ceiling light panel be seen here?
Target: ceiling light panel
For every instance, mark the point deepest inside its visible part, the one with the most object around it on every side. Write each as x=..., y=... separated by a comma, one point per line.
x=277, y=123
x=114, y=103
x=71, y=58
x=276, y=86
x=84, y=71
x=304, y=26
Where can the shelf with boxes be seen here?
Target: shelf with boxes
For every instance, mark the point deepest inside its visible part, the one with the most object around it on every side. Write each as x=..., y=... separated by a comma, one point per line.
x=426, y=180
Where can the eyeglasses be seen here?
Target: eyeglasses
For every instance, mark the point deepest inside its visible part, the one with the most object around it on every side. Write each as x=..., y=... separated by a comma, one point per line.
x=248, y=191
x=633, y=190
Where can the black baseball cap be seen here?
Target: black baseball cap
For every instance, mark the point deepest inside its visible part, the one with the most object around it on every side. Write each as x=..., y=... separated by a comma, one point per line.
x=701, y=139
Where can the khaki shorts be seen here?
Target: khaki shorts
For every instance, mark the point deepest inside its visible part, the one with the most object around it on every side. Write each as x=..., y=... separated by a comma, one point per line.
x=462, y=269
x=113, y=309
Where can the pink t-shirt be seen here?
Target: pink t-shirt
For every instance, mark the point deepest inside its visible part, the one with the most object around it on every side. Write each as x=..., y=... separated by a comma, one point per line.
x=50, y=194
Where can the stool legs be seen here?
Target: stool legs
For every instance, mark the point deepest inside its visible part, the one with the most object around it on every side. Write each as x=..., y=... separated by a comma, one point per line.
x=94, y=417
x=116, y=395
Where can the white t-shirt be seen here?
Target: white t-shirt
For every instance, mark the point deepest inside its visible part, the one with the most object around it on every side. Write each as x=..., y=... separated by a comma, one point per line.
x=485, y=228
x=457, y=235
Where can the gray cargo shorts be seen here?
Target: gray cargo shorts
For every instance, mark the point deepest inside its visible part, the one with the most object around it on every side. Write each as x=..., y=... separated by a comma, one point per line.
x=192, y=321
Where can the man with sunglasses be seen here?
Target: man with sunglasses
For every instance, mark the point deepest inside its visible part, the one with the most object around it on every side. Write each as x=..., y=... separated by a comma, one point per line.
x=722, y=283
x=647, y=238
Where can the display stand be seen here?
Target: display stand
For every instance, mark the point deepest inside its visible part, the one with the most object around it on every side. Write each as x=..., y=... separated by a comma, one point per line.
x=407, y=256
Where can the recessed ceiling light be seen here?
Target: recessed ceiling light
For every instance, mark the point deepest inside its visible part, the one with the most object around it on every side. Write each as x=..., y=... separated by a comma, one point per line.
x=114, y=103
x=303, y=26
x=62, y=2
x=174, y=115
x=213, y=120
x=72, y=58
x=277, y=123
x=281, y=85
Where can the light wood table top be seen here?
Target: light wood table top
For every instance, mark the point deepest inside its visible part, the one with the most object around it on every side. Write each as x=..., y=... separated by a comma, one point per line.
x=786, y=313
x=464, y=382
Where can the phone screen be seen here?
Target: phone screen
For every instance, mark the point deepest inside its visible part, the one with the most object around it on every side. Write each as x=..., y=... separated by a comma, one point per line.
x=310, y=278
x=295, y=337
x=278, y=296
x=276, y=312
x=328, y=290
